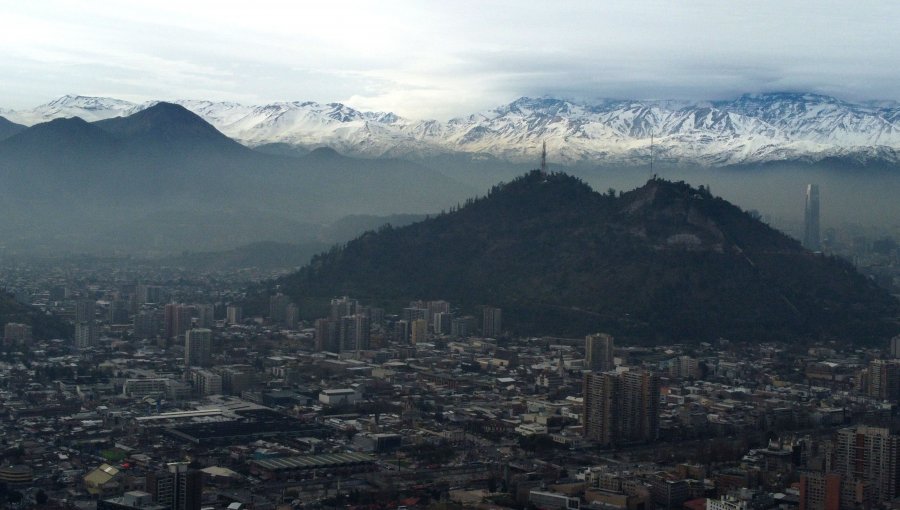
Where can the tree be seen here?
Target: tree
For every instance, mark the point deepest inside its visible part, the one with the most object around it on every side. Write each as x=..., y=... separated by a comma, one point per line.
x=41, y=498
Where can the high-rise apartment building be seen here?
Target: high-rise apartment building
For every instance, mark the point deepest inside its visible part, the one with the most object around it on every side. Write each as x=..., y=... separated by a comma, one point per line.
x=621, y=407
x=15, y=333
x=354, y=333
x=895, y=347
x=327, y=338
x=884, y=379
x=418, y=331
x=441, y=323
x=342, y=307
x=492, y=323
x=600, y=415
x=85, y=310
x=401, y=331
x=197, y=347
x=811, y=239
x=206, y=315
x=292, y=316
x=177, y=319
x=234, y=314
x=85, y=334
x=436, y=307
x=598, y=352
x=278, y=307
x=869, y=454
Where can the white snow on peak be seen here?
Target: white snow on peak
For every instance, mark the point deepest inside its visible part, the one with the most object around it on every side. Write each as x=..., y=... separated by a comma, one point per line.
x=752, y=128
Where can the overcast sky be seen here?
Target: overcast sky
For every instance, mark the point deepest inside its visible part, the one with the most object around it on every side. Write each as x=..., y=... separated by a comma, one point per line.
x=425, y=59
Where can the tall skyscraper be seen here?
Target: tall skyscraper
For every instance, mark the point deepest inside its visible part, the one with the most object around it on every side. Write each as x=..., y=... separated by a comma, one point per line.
x=598, y=352
x=493, y=322
x=621, y=408
x=811, y=240
x=197, y=347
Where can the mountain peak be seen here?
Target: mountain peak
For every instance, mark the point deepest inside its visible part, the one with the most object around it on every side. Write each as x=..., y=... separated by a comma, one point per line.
x=170, y=123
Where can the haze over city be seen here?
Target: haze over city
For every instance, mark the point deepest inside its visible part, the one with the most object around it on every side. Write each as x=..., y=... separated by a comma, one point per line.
x=621, y=255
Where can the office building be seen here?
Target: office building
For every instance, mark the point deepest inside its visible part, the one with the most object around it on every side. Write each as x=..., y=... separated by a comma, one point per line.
x=206, y=382
x=598, y=352
x=197, y=347
x=492, y=323
x=811, y=219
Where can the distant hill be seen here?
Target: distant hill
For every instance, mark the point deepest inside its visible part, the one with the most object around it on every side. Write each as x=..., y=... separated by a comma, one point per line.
x=664, y=261
x=8, y=128
x=71, y=184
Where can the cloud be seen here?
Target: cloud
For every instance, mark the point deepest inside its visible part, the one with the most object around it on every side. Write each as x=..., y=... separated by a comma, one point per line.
x=436, y=60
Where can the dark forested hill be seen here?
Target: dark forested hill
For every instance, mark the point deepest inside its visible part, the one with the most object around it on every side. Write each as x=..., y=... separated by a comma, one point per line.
x=665, y=261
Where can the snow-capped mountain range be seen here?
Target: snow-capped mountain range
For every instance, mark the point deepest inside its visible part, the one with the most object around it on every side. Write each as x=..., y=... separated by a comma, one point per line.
x=753, y=128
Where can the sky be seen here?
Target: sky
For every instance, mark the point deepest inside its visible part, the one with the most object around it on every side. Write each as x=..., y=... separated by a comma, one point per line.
x=424, y=59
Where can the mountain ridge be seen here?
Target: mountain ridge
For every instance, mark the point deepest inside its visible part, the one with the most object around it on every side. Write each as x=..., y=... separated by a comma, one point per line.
x=73, y=181
x=750, y=129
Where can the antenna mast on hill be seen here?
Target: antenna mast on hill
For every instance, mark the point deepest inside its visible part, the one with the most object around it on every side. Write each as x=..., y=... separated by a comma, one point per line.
x=653, y=175
x=544, y=160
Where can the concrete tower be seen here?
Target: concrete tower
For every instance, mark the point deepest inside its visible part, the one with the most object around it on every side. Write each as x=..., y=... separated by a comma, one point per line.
x=811, y=219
